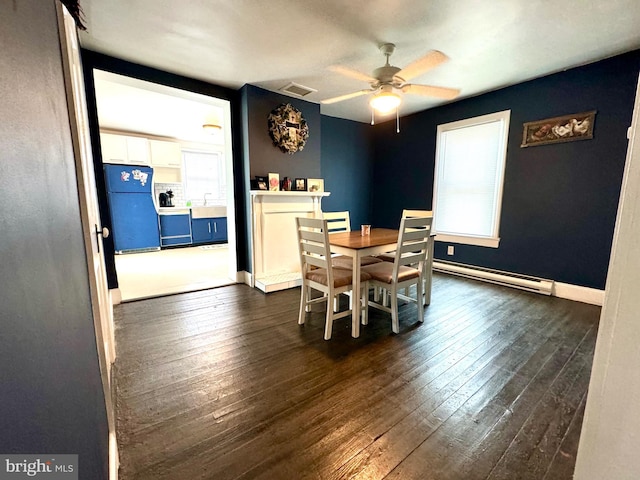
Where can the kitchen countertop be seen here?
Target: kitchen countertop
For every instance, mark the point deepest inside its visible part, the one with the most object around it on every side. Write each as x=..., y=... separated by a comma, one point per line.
x=210, y=211
x=174, y=210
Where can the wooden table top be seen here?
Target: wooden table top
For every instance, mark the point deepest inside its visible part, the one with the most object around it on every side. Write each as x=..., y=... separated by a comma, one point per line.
x=378, y=236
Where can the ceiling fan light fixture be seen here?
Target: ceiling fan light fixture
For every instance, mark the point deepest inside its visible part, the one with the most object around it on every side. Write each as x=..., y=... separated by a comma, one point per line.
x=385, y=102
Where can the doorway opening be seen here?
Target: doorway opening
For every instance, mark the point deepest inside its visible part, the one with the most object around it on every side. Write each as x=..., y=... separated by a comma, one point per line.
x=182, y=141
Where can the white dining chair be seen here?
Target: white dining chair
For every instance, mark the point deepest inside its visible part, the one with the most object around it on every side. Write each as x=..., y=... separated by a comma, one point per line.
x=340, y=222
x=319, y=274
x=428, y=277
x=407, y=269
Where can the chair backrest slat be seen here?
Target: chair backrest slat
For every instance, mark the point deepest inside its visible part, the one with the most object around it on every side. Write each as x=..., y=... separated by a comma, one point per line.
x=314, y=248
x=313, y=245
x=338, y=221
x=312, y=236
x=417, y=213
x=319, y=262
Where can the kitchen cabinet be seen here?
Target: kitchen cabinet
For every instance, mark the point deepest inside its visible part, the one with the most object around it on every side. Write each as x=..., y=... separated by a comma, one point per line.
x=175, y=229
x=165, y=154
x=206, y=230
x=124, y=149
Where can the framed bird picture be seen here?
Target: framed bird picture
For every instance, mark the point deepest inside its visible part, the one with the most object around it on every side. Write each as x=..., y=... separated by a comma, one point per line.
x=567, y=128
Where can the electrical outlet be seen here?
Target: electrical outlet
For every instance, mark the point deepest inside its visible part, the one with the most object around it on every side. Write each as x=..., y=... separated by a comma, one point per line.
x=450, y=250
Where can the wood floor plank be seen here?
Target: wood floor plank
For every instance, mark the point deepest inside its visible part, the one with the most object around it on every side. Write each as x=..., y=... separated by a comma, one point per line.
x=224, y=384
x=453, y=451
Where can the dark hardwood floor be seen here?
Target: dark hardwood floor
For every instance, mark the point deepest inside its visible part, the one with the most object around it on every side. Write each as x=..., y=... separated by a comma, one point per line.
x=224, y=384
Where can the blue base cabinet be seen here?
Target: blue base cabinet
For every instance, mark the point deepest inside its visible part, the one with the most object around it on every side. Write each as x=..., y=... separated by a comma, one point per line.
x=207, y=230
x=175, y=230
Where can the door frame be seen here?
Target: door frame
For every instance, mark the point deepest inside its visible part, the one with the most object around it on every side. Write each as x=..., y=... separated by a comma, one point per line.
x=101, y=304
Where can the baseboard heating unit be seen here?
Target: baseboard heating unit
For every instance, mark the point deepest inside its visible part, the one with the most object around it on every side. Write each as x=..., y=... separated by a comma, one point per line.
x=515, y=280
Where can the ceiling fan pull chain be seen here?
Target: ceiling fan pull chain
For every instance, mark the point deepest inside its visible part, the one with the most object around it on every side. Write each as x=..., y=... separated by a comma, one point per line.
x=397, y=120
x=373, y=116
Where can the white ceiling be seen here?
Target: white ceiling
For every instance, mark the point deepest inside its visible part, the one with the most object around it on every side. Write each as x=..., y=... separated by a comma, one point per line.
x=491, y=43
x=131, y=105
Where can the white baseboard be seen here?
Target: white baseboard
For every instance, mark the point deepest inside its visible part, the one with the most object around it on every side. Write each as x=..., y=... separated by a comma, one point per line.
x=116, y=296
x=578, y=293
x=246, y=278
x=568, y=291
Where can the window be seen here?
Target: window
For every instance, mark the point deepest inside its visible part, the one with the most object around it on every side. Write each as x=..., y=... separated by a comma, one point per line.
x=205, y=176
x=469, y=173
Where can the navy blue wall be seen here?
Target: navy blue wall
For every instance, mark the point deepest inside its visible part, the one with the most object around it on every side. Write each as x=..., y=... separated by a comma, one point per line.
x=560, y=201
x=264, y=157
x=347, y=168
x=339, y=151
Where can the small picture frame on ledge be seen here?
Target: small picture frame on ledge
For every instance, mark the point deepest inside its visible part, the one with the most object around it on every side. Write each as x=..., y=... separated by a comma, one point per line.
x=300, y=185
x=315, y=185
x=260, y=183
x=274, y=182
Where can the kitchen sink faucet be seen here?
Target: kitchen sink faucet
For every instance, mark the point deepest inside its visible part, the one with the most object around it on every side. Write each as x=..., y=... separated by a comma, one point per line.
x=205, y=198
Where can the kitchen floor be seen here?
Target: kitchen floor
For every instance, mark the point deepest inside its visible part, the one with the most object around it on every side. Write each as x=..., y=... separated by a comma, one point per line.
x=177, y=270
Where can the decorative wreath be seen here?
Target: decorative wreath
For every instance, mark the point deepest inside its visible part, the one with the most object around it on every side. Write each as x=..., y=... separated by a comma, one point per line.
x=288, y=129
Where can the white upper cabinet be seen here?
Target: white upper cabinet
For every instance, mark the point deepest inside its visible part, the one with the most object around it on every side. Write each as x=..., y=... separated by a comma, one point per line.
x=138, y=150
x=114, y=148
x=124, y=149
x=165, y=154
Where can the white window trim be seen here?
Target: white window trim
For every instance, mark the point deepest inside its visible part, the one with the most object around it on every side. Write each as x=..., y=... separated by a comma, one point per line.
x=494, y=240
x=469, y=240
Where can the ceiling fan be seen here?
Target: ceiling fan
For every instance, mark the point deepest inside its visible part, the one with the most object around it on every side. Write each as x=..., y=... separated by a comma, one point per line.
x=387, y=80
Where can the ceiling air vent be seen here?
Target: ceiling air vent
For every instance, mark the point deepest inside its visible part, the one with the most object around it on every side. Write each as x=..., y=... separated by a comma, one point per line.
x=297, y=90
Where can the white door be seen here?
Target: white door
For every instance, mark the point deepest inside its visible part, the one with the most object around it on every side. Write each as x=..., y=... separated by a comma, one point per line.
x=92, y=227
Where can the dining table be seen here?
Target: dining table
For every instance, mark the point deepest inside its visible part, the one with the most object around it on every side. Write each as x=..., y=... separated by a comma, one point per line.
x=355, y=245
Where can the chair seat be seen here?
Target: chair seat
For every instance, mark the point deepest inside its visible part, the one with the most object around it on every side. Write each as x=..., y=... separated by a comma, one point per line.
x=341, y=277
x=383, y=272
x=343, y=261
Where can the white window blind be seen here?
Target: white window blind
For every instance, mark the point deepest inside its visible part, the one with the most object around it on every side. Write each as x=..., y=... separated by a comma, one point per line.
x=205, y=175
x=470, y=161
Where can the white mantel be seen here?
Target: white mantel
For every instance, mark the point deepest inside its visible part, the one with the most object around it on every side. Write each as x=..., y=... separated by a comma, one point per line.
x=274, y=252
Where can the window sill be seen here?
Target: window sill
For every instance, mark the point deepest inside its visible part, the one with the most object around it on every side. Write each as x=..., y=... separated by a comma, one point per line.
x=477, y=241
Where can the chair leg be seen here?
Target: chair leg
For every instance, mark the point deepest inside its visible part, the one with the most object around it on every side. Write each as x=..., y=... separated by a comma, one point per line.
x=364, y=298
x=427, y=289
x=420, y=300
x=307, y=307
x=395, y=324
x=328, y=323
x=303, y=304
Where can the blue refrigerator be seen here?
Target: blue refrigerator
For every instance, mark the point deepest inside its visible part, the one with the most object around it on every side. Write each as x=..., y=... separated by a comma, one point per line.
x=134, y=220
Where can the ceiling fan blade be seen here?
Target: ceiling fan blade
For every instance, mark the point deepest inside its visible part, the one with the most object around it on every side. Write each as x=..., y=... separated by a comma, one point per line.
x=348, y=72
x=421, y=65
x=431, y=91
x=329, y=101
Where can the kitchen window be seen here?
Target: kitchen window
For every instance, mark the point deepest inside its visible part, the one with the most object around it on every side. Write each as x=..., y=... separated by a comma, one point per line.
x=468, y=180
x=205, y=178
